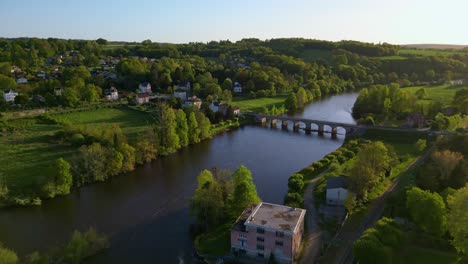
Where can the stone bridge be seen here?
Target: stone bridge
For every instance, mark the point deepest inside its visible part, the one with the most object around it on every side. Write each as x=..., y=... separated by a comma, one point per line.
x=320, y=124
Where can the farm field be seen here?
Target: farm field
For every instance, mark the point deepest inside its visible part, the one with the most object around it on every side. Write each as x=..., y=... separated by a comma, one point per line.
x=27, y=153
x=444, y=93
x=258, y=104
x=428, y=52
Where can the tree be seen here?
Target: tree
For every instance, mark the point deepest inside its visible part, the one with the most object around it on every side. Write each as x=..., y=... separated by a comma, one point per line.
x=207, y=201
x=60, y=179
x=7, y=82
x=227, y=84
x=296, y=183
x=446, y=161
x=101, y=41
x=128, y=154
x=294, y=199
x=421, y=93
x=421, y=144
x=227, y=96
x=182, y=128
x=204, y=125
x=291, y=102
x=458, y=219
x=70, y=97
x=245, y=192
x=372, y=163
x=302, y=98
x=21, y=99
x=427, y=210
x=146, y=148
x=168, y=139
x=7, y=256
x=90, y=93
x=193, y=129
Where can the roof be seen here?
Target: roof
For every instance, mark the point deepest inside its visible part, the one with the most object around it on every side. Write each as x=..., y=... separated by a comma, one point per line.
x=239, y=224
x=145, y=84
x=10, y=91
x=336, y=182
x=276, y=216
x=180, y=91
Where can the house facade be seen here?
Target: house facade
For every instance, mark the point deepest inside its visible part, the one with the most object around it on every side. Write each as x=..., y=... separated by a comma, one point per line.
x=21, y=80
x=180, y=94
x=196, y=102
x=457, y=82
x=142, y=98
x=337, y=190
x=145, y=87
x=112, y=93
x=9, y=95
x=237, y=87
x=267, y=229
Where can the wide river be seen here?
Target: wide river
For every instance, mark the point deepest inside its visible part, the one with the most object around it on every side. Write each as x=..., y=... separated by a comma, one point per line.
x=146, y=212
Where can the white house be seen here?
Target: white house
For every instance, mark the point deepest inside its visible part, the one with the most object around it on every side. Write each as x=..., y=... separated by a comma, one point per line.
x=112, y=93
x=142, y=98
x=41, y=74
x=457, y=82
x=184, y=86
x=22, y=80
x=237, y=87
x=180, y=94
x=145, y=87
x=196, y=102
x=336, y=190
x=9, y=95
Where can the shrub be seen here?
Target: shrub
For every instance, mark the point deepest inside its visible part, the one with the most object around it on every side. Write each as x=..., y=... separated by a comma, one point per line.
x=317, y=165
x=77, y=140
x=294, y=199
x=296, y=183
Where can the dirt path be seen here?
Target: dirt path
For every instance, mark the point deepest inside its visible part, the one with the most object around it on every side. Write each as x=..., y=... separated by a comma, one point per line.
x=313, y=237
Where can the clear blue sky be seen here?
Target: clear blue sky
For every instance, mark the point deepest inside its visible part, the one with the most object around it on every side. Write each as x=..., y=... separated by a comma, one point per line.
x=179, y=21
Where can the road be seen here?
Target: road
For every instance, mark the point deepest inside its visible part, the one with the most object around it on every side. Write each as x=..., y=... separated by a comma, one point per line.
x=313, y=237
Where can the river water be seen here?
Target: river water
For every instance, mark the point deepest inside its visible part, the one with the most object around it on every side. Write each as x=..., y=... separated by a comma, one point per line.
x=146, y=212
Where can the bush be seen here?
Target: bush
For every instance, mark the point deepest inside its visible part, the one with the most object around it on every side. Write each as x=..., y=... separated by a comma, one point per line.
x=7, y=256
x=294, y=199
x=77, y=140
x=295, y=183
x=317, y=165
x=349, y=154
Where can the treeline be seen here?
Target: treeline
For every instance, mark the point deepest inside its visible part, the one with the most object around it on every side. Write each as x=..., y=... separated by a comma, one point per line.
x=104, y=152
x=80, y=247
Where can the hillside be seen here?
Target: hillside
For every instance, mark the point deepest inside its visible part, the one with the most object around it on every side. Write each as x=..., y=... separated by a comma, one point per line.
x=434, y=46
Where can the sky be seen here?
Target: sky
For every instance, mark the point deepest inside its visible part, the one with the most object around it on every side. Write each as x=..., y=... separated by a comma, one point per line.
x=182, y=21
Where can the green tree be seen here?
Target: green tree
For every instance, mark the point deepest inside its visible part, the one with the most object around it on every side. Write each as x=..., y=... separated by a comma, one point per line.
x=245, y=192
x=146, y=148
x=193, y=129
x=207, y=201
x=101, y=41
x=227, y=84
x=60, y=179
x=302, y=98
x=128, y=154
x=168, y=140
x=204, y=125
x=421, y=144
x=182, y=127
x=7, y=256
x=7, y=82
x=291, y=102
x=296, y=183
x=427, y=210
x=70, y=97
x=458, y=219
x=22, y=99
x=90, y=93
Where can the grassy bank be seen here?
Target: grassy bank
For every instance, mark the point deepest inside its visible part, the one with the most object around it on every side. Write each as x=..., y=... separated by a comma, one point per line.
x=256, y=105
x=443, y=93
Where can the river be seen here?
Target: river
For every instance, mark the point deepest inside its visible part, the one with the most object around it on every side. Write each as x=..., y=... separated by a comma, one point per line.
x=146, y=212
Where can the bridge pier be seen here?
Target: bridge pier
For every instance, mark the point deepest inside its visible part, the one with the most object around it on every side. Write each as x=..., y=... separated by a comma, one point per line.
x=284, y=125
x=296, y=126
x=308, y=128
x=273, y=122
x=263, y=120
x=334, y=133
x=320, y=129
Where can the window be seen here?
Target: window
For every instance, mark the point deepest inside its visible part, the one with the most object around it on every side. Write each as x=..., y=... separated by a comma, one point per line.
x=260, y=247
x=260, y=230
x=279, y=234
x=243, y=235
x=279, y=243
x=261, y=239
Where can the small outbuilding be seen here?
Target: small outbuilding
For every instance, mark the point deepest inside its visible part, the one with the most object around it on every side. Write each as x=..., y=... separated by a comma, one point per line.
x=337, y=190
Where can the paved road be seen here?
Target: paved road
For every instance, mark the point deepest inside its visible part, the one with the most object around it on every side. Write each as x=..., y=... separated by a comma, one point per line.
x=313, y=237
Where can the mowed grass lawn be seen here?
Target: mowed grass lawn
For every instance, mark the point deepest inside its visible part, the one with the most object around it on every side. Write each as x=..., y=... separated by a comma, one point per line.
x=257, y=105
x=444, y=93
x=27, y=153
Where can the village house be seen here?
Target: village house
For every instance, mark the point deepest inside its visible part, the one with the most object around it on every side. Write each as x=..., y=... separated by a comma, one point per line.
x=9, y=95
x=457, y=82
x=142, y=98
x=267, y=229
x=223, y=108
x=196, y=102
x=214, y=106
x=337, y=190
x=237, y=87
x=41, y=75
x=21, y=80
x=145, y=88
x=185, y=86
x=111, y=94
x=178, y=93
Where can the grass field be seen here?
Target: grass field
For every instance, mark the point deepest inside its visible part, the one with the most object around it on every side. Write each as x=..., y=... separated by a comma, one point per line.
x=444, y=93
x=256, y=105
x=428, y=52
x=392, y=58
x=28, y=152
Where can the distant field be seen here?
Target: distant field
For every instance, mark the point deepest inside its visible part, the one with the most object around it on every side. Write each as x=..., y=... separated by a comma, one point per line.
x=312, y=55
x=444, y=93
x=428, y=52
x=434, y=46
x=27, y=153
x=396, y=57
x=256, y=105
